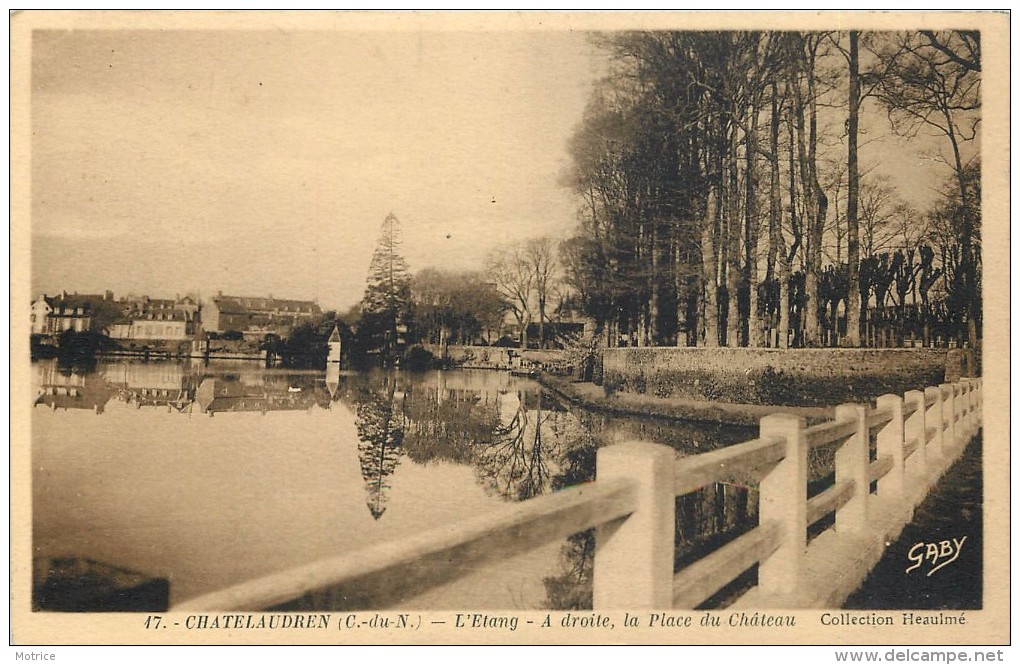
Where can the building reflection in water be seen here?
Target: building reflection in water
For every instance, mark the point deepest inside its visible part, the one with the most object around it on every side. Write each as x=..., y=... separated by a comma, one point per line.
x=520, y=440
x=71, y=388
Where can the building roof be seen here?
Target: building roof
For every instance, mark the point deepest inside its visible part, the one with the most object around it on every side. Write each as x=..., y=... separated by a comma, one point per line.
x=229, y=306
x=74, y=301
x=244, y=304
x=159, y=315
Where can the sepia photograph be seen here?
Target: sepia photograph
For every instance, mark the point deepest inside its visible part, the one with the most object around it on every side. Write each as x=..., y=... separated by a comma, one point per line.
x=509, y=328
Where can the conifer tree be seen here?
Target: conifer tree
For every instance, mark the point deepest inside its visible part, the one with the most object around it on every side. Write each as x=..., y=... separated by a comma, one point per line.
x=387, y=300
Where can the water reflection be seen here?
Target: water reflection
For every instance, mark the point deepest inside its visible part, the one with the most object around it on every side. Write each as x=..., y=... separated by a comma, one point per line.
x=380, y=434
x=518, y=440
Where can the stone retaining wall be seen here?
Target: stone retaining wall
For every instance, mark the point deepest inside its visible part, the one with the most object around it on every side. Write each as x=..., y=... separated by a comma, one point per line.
x=796, y=377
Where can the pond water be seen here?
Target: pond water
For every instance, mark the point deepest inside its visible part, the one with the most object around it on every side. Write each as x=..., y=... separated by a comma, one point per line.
x=213, y=474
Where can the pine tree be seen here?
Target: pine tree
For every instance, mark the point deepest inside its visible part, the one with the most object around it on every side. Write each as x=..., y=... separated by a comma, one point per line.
x=386, y=303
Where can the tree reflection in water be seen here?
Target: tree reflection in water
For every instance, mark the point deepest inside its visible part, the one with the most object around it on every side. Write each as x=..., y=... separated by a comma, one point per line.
x=522, y=442
x=381, y=434
x=515, y=461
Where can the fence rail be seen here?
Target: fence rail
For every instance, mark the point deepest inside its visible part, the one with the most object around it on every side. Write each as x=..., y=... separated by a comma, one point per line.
x=632, y=506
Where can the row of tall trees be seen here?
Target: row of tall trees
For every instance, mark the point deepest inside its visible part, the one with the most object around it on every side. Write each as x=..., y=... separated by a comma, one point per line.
x=700, y=165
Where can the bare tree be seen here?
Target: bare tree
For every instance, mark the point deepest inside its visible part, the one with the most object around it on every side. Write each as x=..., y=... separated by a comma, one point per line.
x=932, y=80
x=878, y=202
x=512, y=274
x=541, y=258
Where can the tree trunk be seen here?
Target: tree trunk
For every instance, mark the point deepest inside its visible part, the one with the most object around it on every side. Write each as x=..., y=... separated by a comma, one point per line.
x=754, y=327
x=777, y=250
x=710, y=271
x=653, y=288
x=853, y=308
x=733, y=240
x=816, y=204
x=541, y=321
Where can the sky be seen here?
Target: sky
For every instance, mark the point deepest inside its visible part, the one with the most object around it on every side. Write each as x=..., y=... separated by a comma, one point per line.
x=264, y=162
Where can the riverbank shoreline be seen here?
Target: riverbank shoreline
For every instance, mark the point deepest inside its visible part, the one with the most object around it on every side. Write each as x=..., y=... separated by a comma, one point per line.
x=590, y=396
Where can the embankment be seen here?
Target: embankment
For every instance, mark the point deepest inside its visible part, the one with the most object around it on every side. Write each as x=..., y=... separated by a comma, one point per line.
x=590, y=396
x=493, y=357
x=792, y=377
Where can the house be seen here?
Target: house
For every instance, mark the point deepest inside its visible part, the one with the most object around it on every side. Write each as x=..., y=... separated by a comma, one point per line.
x=146, y=318
x=256, y=316
x=52, y=315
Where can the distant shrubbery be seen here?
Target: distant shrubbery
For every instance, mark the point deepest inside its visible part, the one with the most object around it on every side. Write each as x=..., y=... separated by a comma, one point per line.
x=419, y=359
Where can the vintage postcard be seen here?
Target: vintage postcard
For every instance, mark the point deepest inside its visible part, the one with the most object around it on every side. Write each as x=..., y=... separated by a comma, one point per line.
x=505, y=328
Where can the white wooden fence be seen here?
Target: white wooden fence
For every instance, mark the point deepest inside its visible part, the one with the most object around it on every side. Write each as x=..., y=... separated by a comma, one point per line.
x=632, y=503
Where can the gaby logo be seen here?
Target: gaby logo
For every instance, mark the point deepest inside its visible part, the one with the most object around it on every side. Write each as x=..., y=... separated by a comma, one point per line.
x=937, y=555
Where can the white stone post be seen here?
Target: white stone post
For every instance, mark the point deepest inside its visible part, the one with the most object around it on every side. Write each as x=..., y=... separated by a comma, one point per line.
x=634, y=556
x=934, y=417
x=783, y=499
x=890, y=442
x=914, y=427
x=852, y=460
x=948, y=411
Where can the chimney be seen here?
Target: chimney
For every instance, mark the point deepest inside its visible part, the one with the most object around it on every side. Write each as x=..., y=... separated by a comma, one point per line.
x=108, y=295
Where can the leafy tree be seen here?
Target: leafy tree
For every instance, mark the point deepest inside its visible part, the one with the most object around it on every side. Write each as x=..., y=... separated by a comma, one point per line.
x=104, y=314
x=454, y=306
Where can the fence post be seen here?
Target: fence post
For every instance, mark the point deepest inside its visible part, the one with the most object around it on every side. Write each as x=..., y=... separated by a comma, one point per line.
x=948, y=412
x=634, y=555
x=975, y=414
x=972, y=419
x=890, y=442
x=852, y=461
x=978, y=413
x=783, y=498
x=934, y=417
x=915, y=426
x=964, y=407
